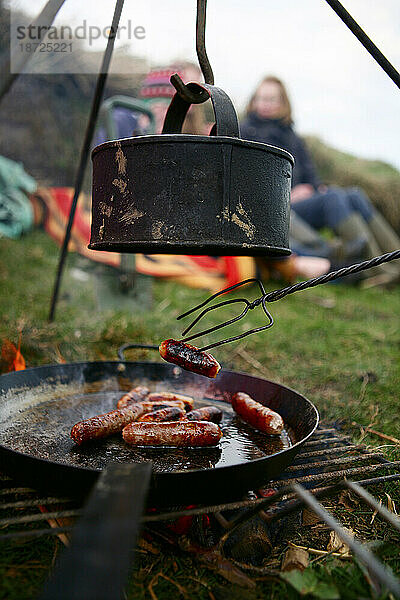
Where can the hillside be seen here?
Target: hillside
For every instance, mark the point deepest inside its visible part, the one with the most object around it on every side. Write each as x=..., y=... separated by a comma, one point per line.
x=380, y=181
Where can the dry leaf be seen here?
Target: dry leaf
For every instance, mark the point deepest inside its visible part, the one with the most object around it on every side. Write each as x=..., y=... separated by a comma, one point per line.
x=226, y=569
x=145, y=545
x=295, y=558
x=336, y=544
x=309, y=517
x=390, y=504
x=346, y=500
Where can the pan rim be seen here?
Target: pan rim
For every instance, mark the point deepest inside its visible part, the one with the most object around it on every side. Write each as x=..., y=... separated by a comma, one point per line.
x=158, y=475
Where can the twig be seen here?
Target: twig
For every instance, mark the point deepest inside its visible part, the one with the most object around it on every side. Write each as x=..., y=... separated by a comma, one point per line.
x=250, y=359
x=322, y=552
x=368, y=429
x=383, y=435
x=154, y=582
x=365, y=381
x=212, y=597
x=54, y=523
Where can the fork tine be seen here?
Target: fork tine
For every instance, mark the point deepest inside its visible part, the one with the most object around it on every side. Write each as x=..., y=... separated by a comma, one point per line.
x=228, y=289
x=240, y=336
x=248, y=305
x=216, y=327
x=206, y=310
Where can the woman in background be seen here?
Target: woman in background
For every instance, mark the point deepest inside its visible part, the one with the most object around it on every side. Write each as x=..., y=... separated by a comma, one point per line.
x=347, y=212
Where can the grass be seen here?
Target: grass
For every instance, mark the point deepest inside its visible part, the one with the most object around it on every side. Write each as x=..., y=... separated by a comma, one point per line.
x=336, y=344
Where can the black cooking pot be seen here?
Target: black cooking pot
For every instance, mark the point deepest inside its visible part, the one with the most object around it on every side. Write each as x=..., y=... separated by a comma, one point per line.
x=191, y=194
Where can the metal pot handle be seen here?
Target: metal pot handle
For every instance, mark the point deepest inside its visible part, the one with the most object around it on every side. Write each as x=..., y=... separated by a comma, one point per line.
x=226, y=121
x=121, y=349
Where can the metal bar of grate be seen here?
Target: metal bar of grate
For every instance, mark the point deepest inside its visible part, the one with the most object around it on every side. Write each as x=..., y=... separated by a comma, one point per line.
x=261, y=503
x=336, y=450
x=256, y=504
x=16, y=490
x=325, y=430
x=34, y=533
x=382, y=573
x=36, y=502
x=40, y=517
x=364, y=482
x=332, y=440
x=336, y=474
x=331, y=461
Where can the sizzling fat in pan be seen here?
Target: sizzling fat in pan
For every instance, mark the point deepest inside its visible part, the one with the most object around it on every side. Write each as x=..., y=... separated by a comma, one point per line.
x=46, y=416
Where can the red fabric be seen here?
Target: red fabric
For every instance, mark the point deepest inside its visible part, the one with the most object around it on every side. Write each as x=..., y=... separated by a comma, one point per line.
x=208, y=272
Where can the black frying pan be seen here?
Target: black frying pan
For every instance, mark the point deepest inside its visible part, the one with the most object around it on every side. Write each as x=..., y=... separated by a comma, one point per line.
x=38, y=407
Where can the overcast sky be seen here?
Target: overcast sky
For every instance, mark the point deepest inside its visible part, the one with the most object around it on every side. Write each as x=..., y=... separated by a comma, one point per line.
x=337, y=90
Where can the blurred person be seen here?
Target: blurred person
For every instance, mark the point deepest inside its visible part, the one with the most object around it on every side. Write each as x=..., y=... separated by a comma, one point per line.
x=347, y=212
x=158, y=91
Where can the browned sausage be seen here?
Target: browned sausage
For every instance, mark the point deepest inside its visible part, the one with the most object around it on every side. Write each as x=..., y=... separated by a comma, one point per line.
x=256, y=414
x=171, y=413
x=150, y=406
x=135, y=395
x=206, y=413
x=104, y=425
x=180, y=434
x=189, y=357
x=171, y=397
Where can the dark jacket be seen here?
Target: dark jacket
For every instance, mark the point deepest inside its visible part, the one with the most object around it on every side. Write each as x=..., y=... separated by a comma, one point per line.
x=277, y=133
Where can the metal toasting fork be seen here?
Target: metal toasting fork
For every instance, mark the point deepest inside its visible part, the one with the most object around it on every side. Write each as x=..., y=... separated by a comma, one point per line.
x=268, y=297
x=247, y=306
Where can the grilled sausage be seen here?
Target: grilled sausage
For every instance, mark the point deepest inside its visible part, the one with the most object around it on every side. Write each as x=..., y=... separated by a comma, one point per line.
x=256, y=414
x=135, y=395
x=206, y=413
x=189, y=357
x=104, y=425
x=180, y=434
x=151, y=406
x=172, y=413
x=171, y=397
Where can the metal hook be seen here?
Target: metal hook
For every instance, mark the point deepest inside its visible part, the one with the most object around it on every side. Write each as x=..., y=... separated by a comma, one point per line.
x=183, y=90
x=201, y=42
x=186, y=93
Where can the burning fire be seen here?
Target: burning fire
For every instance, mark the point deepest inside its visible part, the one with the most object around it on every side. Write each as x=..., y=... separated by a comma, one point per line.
x=11, y=357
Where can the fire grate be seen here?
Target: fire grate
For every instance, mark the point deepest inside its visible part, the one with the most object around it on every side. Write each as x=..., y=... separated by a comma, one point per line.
x=321, y=470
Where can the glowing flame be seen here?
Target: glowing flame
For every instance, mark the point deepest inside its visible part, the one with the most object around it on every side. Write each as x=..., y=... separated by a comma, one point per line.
x=11, y=357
